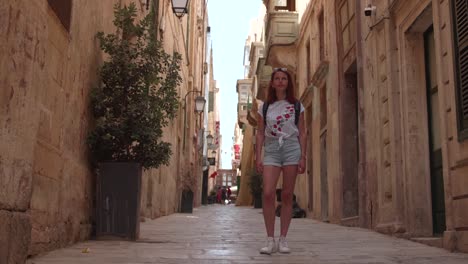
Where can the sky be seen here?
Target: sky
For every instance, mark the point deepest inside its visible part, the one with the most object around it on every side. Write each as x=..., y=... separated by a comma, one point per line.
x=230, y=26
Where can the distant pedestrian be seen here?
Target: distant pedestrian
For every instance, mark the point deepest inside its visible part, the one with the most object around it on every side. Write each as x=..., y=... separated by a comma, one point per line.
x=229, y=192
x=223, y=196
x=218, y=195
x=282, y=134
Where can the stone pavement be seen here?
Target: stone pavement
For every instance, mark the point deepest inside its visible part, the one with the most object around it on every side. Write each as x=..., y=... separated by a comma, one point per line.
x=228, y=234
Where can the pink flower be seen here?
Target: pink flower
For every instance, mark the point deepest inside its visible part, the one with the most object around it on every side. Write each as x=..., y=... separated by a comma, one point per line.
x=278, y=122
x=278, y=117
x=287, y=115
x=275, y=126
x=273, y=134
x=279, y=129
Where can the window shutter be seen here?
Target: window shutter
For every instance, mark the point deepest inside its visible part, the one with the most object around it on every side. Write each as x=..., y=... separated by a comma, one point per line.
x=211, y=102
x=460, y=32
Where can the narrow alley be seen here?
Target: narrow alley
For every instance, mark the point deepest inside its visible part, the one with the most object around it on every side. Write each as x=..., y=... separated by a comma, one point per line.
x=229, y=234
x=130, y=119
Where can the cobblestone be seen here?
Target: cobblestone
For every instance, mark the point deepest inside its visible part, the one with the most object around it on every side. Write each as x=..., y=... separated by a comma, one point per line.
x=233, y=235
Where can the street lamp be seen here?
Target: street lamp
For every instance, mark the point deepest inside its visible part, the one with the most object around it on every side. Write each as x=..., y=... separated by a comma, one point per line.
x=199, y=107
x=209, y=139
x=199, y=104
x=179, y=7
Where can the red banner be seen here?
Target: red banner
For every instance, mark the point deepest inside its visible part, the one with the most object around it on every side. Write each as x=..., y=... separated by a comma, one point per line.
x=236, y=151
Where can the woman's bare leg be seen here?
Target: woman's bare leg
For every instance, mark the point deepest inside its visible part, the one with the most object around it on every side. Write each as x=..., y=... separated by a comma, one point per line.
x=289, y=181
x=270, y=179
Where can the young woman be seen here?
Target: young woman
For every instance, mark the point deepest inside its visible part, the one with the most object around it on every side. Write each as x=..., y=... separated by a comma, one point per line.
x=284, y=143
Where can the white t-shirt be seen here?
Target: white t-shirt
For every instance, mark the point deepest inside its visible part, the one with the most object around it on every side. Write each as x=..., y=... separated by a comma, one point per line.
x=280, y=120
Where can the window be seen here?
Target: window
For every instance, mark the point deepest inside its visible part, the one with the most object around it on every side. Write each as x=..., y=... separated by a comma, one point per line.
x=260, y=52
x=348, y=27
x=243, y=97
x=62, y=9
x=460, y=33
x=323, y=107
x=286, y=5
x=321, y=36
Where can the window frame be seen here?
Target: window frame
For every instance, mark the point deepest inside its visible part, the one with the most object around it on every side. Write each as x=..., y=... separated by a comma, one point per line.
x=290, y=6
x=462, y=121
x=351, y=17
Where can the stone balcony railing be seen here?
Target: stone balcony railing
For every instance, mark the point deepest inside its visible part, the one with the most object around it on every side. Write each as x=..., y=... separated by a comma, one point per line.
x=282, y=31
x=242, y=117
x=263, y=79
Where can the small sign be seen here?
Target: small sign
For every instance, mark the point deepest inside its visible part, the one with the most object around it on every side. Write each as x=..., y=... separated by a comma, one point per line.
x=212, y=161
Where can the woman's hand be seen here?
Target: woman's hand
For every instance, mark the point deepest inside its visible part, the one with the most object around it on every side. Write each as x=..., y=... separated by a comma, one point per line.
x=301, y=166
x=259, y=166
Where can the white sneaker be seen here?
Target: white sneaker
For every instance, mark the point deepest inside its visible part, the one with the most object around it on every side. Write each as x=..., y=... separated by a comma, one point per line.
x=270, y=246
x=283, y=246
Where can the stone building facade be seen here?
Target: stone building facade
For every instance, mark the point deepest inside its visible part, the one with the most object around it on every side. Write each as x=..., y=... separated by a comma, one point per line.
x=226, y=178
x=49, y=60
x=248, y=104
x=213, y=150
x=383, y=92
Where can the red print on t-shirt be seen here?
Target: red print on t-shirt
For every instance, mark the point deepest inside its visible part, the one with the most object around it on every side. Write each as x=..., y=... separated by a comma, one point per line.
x=282, y=119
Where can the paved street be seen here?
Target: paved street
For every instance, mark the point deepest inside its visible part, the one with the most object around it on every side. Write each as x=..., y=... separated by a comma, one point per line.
x=229, y=234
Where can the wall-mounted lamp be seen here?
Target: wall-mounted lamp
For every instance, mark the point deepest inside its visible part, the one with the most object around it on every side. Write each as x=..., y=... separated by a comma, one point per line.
x=370, y=10
x=199, y=107
x=209, y=139
x=200, y=104
x=179, y=7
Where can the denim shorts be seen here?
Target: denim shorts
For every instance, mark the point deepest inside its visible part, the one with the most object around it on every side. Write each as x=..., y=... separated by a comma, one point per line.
x=288, y=154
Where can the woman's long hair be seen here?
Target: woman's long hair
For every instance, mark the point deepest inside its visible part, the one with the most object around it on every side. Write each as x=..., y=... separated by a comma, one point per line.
x=290, y=97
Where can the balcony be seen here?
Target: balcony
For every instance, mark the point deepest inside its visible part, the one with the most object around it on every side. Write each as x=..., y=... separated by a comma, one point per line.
x=263, y=79
x=281, y=33
x=241, y=114
x=256, y=52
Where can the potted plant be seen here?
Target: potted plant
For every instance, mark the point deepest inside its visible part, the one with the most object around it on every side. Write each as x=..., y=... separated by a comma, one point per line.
x=256, y=188
x=134, y=101
x=212, y=196
x=187, y=184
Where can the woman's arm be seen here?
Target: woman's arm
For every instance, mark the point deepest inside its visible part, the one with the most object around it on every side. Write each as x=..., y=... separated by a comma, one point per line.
x=303, y=143
x=259, y=139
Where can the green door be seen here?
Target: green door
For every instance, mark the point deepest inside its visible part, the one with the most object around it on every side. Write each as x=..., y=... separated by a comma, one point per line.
x=437, y=180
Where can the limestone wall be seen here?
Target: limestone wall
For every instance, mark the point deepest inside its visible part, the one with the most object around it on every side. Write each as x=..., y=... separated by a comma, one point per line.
x=394, y=190
x=322, y=176
x=395, y=85
x=455, y=152
x=46, y=185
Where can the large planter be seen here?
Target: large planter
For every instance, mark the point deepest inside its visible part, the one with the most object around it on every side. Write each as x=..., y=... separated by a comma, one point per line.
x=186, y=205
x=258, y=201
x=118, y=200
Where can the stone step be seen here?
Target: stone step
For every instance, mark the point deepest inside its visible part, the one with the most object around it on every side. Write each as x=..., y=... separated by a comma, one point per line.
x=430, y=241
